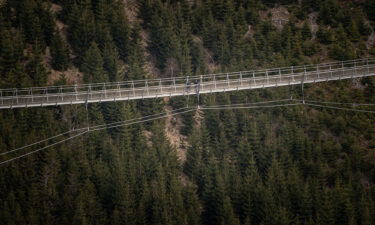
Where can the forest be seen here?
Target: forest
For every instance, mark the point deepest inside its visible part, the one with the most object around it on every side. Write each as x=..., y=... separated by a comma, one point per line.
x=270, y=166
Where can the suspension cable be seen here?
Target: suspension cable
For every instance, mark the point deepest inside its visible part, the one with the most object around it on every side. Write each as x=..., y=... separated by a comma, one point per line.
x=166, y=114
x=248, y=107
x=97, y=128
x=342, y=103
x=254, y=103
x=339, y=108
x=84, y=128
x=40, y=149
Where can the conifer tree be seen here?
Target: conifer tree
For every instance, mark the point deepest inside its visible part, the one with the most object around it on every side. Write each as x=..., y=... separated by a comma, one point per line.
x=136, y=59
x=92, y=65
x=306, y=33
x=110, y=61
x=35, y=67
x=59, y=53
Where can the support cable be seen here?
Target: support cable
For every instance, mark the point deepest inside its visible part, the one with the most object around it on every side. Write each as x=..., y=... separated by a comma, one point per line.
x=340, y=108
x=176, y=112
x=83, y=129
x=95, y=128
x=249, y=107
x=40, y=149
x=341, y=103
x=254, y=103
x=39, y=142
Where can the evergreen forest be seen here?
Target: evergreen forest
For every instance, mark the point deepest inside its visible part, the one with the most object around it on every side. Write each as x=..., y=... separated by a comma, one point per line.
x=270, y=166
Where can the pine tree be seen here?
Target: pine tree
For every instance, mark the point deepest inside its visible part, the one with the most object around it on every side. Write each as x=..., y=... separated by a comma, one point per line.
x=92, y=65
x=136, y=59
x=354, y=32
x=306, y=33
x=81, y=28
x=110, y=61
x=11, y=50
x=35, y=67
x=120, y=31
x=59, y=53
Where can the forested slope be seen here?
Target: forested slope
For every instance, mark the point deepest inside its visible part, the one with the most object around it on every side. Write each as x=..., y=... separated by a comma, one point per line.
x=290, y=165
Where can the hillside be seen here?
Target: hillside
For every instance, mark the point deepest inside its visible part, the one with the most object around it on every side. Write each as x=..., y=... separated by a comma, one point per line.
x=278, y=165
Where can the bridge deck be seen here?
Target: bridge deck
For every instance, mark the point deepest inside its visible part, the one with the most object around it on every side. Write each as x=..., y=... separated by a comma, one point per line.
x=155, y=88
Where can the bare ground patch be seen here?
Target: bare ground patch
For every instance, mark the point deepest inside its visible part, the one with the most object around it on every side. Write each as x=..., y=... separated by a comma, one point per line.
x=178, y=141
x=279, y=16
x=72, y=76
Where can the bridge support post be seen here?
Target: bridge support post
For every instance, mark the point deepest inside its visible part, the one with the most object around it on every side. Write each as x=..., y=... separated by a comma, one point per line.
x=16, y=95
x=355, y=68
x=254, y=78
x=118, y=89
x=214, y=77
x=32, y=96
x=368, y=68
x=200, y=82
x=75, y=91
x=342, y=67
x=46, y=92
x=293, y=74
x=268, y=81
x=228, y=80
x=174, y=84
x=161, y=87
x=61, y=94
x=330, y=69
x=317, y=71
x=280, y=75
x=133, y=89
x=187, y=88
x=240, y=79
x=147, y=89
x=105, y=91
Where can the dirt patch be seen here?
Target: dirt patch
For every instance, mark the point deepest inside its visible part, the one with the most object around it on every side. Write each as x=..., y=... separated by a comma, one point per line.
x=357, y=84
x=198, y=118
x=208, y=56
x=55, y=8
x=72, y=76
x=2, y=2
x=178, y=141
x=279, y=16
x=312, y=18
x=249, y=33
x=371, y=40
x=148, y=136
x=131, y=10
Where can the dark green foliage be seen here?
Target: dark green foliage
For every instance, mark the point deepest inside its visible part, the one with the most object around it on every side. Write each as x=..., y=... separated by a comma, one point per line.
x=325, y=36
x=306, y=32
x=59, y=53
x=35, y=68
x=136, y=59
x=110, y=61
x=369, y=7
x=92, y=65
x=290, y=165
x=342, y=49
x=329, y=11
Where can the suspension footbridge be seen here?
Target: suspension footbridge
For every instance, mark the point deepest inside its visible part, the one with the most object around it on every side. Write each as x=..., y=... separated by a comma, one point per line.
x=180, y=86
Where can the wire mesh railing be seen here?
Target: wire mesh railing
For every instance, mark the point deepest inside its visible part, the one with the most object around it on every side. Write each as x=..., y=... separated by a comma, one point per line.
x=151, y=88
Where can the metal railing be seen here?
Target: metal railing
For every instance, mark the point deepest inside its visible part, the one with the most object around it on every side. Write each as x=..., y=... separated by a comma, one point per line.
x=177, y=86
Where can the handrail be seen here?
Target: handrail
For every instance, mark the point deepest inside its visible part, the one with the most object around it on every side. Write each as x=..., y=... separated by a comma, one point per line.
x=370, y=60
x=58, y=95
